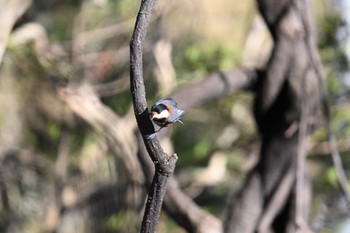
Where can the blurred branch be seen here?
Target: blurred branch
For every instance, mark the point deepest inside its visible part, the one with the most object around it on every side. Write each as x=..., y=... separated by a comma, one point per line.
x=55, y=209
x=85, y=103
x=164, y=70
x=164, y=164
x=343, y=181
x=277, y=201
x=96, y=35
x=10, y=12
x=100, y=62
x=277, y=109
x=220, y=84
x=112, y=88
x=310, y=41
x=300, y=206
x=323, y=148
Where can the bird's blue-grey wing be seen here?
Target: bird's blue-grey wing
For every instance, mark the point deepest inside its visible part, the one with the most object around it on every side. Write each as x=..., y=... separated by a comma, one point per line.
x=169, y=101
x=177, y=115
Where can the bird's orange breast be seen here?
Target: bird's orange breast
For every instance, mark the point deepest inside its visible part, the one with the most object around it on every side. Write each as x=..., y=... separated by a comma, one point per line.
x=170, y=109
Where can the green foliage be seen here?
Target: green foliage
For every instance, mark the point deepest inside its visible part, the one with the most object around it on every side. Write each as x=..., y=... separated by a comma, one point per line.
x=336, y=57
x=331, y=177
x=124, y=221
x=332, y=52
x=120, y=103
x=168, y=225
x=202, y=149
x=125, y=7
x=334, y=84
x=341, y=122
x=327, y=181
x=54, y=130
x=77, y=141
x=26, y=63
x=200, y=59
x=213, y=198
x=61, y=21
x=193, y=144
x=329, y=25
x=320, y=135
x=46, y=141
x=234, y=161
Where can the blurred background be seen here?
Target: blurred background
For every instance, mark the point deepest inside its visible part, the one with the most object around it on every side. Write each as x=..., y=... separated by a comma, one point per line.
x=67, y=131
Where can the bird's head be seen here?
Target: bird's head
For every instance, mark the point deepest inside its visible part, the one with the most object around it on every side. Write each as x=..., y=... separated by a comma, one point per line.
x=159, y=114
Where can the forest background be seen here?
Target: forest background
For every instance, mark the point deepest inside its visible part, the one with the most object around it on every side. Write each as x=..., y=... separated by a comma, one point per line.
x=68, y=144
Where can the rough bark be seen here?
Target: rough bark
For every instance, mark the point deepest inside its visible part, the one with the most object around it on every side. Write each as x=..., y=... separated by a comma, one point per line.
x=178, y=204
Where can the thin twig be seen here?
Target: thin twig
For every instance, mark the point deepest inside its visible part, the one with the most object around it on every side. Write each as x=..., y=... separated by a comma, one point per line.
x=164, y=163
x=102, y=33
x=300, y=220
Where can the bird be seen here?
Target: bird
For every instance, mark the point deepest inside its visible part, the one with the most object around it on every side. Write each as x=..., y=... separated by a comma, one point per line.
x=164, y=113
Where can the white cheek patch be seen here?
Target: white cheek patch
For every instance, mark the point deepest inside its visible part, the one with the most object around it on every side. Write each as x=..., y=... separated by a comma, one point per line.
x=163, y=114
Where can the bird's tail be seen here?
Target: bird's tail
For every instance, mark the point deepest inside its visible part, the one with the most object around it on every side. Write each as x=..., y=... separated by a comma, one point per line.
x=181, y=114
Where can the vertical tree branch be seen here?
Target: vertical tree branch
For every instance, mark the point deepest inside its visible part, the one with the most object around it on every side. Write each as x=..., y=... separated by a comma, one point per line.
x=154, y=202
x=316, y=63
x=164, y=163
x=300, y=207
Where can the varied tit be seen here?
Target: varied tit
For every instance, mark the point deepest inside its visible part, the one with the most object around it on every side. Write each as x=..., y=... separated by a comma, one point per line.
x=164, y=112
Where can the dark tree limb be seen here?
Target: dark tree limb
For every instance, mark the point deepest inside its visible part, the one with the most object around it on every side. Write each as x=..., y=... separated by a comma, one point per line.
x=164, y=164
x=276, y=203
x=278, y=114
x=178, y=204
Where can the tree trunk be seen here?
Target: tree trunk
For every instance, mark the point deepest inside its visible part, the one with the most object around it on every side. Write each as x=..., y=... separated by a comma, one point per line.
x=286, y=87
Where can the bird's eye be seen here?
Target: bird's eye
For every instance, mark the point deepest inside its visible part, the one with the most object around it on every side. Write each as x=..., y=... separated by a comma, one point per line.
x=159, y=108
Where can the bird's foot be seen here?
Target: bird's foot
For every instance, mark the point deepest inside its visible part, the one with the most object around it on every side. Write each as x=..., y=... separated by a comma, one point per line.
x=150, y=136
